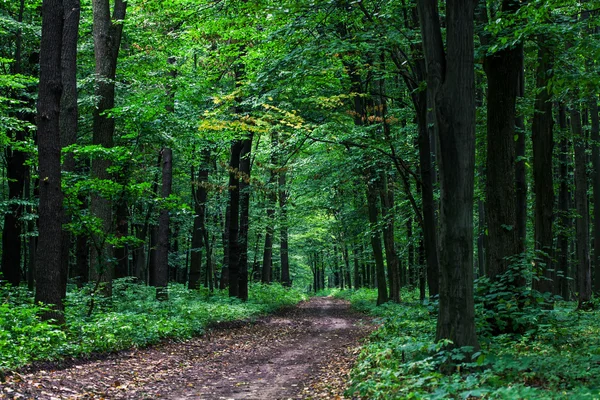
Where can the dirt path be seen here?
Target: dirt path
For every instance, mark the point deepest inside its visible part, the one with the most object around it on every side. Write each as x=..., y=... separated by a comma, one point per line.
x=305, y=352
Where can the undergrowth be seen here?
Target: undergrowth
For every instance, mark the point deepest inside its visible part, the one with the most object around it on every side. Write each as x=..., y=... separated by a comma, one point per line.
x=557, y=357
x=132, y=318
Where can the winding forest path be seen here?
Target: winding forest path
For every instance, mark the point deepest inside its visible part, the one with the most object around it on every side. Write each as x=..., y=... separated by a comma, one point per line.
x=305, y=352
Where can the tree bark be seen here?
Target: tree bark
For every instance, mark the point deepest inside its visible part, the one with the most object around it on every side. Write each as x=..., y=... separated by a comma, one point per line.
x=199, y=244
x=584, y=272
x=564, y=197
x=107, y=32
x=393, y=264
x=162, y=245
x=267, y=263
x=543, y=144
x=245, y=166
x=451, y=78
x=234, y=218
x=373, y=209
x=595, y=136
x=503, y=72
x=48, y=274
x=283, y=230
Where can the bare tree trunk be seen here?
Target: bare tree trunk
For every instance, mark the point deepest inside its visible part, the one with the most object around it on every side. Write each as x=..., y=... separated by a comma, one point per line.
x=234, y=218
x=49, y=266
x=543, y=144
x=595, y=136
x=372, y=194
x=245, y=167
x=387, y=205
x=283, y=230
x=563, y=208
x=162, y=246
x=199, y=233
x=584, y=272
x=451, y=77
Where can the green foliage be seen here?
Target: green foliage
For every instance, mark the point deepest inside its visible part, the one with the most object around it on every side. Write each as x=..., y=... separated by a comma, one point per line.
x=132, y=319
x=560, y=359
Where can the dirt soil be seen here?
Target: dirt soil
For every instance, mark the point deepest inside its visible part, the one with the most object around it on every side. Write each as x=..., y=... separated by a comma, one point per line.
x=302, y=353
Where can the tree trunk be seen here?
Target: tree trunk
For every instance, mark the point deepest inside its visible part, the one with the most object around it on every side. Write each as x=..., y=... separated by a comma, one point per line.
x=48, y=289
x=584, y=277
x=199, y=233
x=234, y=218
x=372, y=194
x=283, y=230
x=451, y=78
x=543, y=144
x=520, y=170
x=595, y=136
x=244, y=189
x=503, y=72
x=107, y=40
x=162, y=246
x=564, y=197
x=387, y=206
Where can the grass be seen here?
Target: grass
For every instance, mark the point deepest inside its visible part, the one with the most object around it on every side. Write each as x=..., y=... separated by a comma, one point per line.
x=558, y=358
x=133, y=318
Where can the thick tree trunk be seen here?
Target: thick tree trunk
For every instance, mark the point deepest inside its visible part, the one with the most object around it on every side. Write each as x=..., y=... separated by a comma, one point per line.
x=451, y=77
x=234, y=218
x=245, y=166
x=69, y=111
x=372, y=195
x=162, y=245
x=543, y=144
x=503, y=72
x=520, y=170
x=584, y=272
x=48, y=274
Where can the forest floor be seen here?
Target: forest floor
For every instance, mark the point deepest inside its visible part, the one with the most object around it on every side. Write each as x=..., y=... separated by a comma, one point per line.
x=302, y=353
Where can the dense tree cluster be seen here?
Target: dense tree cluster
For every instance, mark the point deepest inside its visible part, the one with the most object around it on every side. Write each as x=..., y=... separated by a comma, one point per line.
x=324, y=143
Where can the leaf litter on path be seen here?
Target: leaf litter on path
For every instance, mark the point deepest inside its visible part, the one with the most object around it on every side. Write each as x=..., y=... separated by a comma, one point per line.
x=302, y=353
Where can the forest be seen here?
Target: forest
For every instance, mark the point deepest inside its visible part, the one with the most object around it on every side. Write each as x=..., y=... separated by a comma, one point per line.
x=414, y=182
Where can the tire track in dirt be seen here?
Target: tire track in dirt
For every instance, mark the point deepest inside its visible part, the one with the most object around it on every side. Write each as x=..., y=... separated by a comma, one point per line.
x=304, y=352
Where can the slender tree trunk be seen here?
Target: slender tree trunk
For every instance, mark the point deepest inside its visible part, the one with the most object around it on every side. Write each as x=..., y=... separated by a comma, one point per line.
x=595, y=136
x=234, y=218
x=372, y=194
x=107, y=32
x=162, y=246
x=584, y=272
x=563, y=207
x=543, y=143
x=520, y=170
x=224, y=282
x=357, y=274
x=451, y=76
x=283, y=230
x=387, y=205
x=245, y=166
x=199, y=233
x=49, y=266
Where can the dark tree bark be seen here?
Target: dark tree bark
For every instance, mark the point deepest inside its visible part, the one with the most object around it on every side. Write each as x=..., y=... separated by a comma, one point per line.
x=595, y=136
x=48, y=274
x=357, y=270
x=245, y=166
x=69, y=111
x=122, y=230
x=162, y=245
x=564, y=197
x=199, y=233
x=393, y=264
x=520, y=170
x=107, y=40
x=372, y=195
x=450, y=75
x=283, y=230
x=543, y=144
x=234, y=218
x=503, y=70
x=584, y=272
x=224, y=282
